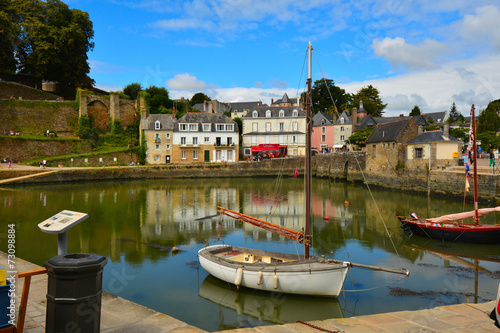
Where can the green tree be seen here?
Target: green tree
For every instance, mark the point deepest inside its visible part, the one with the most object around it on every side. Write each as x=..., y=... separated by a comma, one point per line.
x=9, y=36
x=415, y=111
x=455, y=116
x=489, y=118
x=53, y=43
x=157, y=100
x=371, y=101
x=326, y=96
x=358, y=138
x=199, y=98
x=132, y=90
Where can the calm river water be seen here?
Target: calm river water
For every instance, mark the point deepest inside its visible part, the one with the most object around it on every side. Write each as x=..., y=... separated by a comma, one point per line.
x=134, y=224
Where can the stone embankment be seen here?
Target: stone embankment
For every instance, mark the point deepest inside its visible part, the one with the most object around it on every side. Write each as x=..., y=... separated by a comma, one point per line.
x=340, y=166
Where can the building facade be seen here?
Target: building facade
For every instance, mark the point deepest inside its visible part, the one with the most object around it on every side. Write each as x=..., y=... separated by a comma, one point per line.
x=158, y=133
x=322, y=136
x=205, y=137
x=284, y=126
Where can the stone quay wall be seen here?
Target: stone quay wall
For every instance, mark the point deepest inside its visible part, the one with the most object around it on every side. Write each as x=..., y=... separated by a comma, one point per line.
x=337, y=166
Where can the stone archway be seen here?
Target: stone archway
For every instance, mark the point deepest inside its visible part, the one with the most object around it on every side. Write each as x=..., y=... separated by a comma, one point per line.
x=98, y=112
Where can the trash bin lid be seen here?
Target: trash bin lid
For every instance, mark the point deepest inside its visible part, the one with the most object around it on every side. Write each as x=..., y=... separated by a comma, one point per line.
x=76, y=262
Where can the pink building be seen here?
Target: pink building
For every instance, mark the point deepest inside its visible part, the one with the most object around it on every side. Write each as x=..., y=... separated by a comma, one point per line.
x=322, y=137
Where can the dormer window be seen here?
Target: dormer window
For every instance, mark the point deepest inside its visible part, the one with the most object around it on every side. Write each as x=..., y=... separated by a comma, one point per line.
x=255, y=114
x=268, y=114
x=322, y=122
x=341, y=120
x=282, y=113
x=295, y=113
x=157, y=125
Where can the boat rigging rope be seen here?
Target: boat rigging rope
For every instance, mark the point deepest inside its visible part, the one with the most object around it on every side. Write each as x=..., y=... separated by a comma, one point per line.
x=378, y=287
x=378, y=211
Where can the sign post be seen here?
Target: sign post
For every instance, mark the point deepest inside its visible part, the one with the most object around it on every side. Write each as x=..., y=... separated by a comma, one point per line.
x=59, y=224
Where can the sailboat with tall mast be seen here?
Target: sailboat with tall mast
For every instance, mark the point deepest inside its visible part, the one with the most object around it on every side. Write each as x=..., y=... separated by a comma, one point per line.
x=451, y=227
x=281, y=272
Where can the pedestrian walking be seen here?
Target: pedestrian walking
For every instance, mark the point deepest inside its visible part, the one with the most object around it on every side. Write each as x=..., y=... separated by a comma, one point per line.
x=44, y=163
x=10, y=164
x=492, y=158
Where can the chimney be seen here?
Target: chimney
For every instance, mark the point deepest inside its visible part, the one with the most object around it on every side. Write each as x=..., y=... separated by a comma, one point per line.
x=446, y=131
x=173, y=111
x=420, y=129
x=272, y=101
x=205, y=105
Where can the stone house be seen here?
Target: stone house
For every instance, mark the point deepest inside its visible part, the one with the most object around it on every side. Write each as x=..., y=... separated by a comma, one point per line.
x=240, y=109
x=158, y=132
x=385, y=147
x=278, y=125
x=342, y=131
x=433, y=149
x=205, y=137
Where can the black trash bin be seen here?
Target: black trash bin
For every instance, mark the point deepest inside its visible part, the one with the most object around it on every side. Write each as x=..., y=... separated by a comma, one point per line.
x=74, y=293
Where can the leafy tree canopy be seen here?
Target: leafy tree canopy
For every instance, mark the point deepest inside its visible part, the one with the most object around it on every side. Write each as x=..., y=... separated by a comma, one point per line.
x=371, y=101
x=157, y=99
x=9, y=36
x=49, y=41
x=199, y=98
x=489, y=118
x=455, y=116
x=415, y=111
x=358, y=138
x=322, y=93
x=132, y=90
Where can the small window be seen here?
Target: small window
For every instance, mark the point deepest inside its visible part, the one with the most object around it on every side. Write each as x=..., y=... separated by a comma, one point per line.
x=206, y=127
x=268, y=127
x=419, y=153
x=295, y=113
x=183, y=140
x=193, y=127
x=374, y=151
x=183, y=154
x=195, y=141
x=254, y=127
x=230, y=127
x=207, y=139
x=247, y=151
x=323, y=138
x=342, y=137
x=294, y=139
x=341, y=120
x=282, y=113
x=341, y=128
x=157, y=158
x=168, y=147
x=268, y=114
x=220, y=127
x=282, y=127
x=295, y=126
x=322, y=122
x=168, y=135
x=323, y=129
x=183, y=127
x=157, y=146
x=195, y=154
x=157, y=125
x=255, y=114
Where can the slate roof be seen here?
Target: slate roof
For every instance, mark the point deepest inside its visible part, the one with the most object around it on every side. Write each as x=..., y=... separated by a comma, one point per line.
x=240, y=106
x=433, y=137
x=205, y=118
x=283, y=100
x=198, y=106
x=387, y=132
x=369, y=120
x=347, y=120
x=438, y=117
x=261, y=111
x=316, y=120
x=166, y=122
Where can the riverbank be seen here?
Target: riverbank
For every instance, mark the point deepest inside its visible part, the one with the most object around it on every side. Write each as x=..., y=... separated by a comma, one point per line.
x=120, y=315
x=349, y=167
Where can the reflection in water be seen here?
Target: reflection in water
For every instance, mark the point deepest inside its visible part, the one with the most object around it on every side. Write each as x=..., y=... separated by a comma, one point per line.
x=273, y=308
x=135, y=224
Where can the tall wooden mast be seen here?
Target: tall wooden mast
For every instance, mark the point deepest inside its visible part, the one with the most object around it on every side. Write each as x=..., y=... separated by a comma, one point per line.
x=473, y=116
x=308, y=151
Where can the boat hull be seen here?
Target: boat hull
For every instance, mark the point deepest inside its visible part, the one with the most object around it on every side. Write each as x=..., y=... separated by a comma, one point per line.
x=468, y=233
x=293, y=275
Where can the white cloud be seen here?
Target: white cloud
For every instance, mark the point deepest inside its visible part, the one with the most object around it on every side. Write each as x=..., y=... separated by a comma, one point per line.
x=402, y=55
x=187, y=82
x=183, y=24
x=483, y=27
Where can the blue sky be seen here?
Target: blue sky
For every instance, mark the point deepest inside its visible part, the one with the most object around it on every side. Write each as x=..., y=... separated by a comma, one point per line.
x=421, y=52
